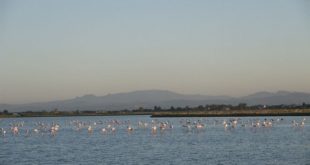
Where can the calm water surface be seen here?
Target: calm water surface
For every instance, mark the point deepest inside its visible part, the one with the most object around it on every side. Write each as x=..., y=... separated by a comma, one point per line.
x=280, y=144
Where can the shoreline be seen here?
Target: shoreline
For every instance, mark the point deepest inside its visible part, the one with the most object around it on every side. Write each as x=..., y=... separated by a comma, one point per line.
x=194, y=113
x=235, y=113
x=74, y=115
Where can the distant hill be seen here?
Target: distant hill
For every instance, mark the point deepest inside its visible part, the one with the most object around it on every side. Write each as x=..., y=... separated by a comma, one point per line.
x=151, y=98
x=281, y=97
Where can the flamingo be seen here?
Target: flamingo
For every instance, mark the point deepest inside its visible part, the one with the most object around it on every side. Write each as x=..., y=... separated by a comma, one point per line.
x=154, y=129
x=104, y=130
x=36, y=130
x=129, y=128
x=90, y=129
x=15, y=130
x=3, y=132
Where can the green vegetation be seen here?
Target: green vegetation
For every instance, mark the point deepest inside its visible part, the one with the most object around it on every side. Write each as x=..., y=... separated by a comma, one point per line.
x=241, y=109
x=215, y=113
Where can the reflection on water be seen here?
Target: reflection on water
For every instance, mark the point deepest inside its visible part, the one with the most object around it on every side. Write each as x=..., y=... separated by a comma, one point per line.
x=145, y=140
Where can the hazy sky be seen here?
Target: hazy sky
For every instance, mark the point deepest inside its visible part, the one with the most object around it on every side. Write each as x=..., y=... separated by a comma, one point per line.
x=57, y=49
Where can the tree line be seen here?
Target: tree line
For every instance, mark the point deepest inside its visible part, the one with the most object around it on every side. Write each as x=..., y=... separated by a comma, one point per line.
x=141, y=110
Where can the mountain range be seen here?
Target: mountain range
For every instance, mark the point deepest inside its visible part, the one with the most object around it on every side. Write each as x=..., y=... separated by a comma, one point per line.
x=151, y=98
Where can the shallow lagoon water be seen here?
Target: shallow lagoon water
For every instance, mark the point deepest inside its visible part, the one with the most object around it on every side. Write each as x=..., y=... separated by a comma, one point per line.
x=280, y=144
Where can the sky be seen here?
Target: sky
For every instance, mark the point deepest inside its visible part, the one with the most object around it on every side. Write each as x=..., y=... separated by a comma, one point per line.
x=53, y=50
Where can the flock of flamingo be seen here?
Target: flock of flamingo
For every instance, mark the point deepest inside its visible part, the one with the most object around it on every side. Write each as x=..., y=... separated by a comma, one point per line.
x=154, y=126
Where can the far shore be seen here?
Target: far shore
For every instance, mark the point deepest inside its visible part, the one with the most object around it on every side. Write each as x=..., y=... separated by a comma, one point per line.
x=70, y=114
x=235, y=113
x=169, y=113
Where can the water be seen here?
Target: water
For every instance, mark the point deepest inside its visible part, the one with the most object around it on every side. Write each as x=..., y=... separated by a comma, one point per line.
x=279, y=144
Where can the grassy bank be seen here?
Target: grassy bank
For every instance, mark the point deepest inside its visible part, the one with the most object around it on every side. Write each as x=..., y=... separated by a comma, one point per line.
x=169, y=113
x=229, y=113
